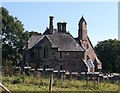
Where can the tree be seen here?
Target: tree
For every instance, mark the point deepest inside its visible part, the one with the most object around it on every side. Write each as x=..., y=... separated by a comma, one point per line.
x=13, y=38
x=33, y=33
x=108, y=52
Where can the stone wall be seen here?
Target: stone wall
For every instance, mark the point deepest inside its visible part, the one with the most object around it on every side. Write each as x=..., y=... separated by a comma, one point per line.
x=58, y=60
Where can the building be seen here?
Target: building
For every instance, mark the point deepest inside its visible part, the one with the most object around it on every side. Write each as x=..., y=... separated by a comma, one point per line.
x=59, y=50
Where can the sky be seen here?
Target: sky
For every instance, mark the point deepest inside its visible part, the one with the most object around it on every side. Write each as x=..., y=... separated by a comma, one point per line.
x=101, y=17
x=119, y=20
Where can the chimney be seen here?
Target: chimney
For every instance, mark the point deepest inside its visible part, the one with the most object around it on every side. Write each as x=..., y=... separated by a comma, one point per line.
x=26, y=45
x=59, y=26
x=64, y=27
x=51, y=25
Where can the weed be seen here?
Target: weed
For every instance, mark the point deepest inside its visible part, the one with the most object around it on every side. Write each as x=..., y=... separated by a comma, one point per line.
x=24, y=83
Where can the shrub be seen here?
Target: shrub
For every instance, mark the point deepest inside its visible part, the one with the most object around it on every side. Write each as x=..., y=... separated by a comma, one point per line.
x=17, y=80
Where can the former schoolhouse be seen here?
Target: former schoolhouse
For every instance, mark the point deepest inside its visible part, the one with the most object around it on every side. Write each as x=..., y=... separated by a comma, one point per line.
x=59, y=50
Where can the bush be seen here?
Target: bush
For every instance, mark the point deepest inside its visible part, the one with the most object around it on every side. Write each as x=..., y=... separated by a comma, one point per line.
x=18, y=80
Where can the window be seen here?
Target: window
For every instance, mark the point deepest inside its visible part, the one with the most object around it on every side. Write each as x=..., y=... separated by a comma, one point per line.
x=60, y=54
x=87, y=46
x=45, y=53
x=61, y=67
x=88, y=57
x=45, y=67
x=30, y=55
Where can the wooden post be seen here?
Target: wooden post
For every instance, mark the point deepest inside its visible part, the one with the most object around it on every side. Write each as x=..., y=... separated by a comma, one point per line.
x=62, y=73
x=51, y=82
x=86, y=77
x=97, y=81
x=61, y=79
x=7, y=91
x=23, y=62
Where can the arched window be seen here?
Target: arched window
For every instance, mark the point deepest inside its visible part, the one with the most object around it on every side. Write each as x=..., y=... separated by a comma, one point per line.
x=88, y=57
x=45, y=53
x=87, y=46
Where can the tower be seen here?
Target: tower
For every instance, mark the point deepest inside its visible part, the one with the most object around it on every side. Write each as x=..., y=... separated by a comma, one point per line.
x=82, y=34
x=90, y=56
x=82, y=29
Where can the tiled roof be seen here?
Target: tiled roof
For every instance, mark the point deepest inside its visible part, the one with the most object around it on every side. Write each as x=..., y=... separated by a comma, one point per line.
x=63, y=41
x=33, y=40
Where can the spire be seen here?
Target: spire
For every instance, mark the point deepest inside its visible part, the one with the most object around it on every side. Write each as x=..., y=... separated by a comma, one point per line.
x=82, y=20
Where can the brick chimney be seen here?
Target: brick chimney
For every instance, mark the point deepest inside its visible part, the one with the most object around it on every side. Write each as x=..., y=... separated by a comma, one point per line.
x=59, y=26
x=51, y=25
x=64, y=27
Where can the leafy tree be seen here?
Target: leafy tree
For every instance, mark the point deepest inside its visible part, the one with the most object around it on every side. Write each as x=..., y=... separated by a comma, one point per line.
x=33, y=33
x=13, y=37
x=108, y=52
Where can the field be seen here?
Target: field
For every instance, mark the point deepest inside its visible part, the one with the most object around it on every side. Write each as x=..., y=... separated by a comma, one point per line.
x=30, y=83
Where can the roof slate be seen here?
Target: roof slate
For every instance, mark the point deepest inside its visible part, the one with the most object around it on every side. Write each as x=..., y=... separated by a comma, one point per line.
x=63, y=41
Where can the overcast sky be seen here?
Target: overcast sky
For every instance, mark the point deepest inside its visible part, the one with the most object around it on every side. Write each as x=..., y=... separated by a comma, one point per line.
x=101, y=17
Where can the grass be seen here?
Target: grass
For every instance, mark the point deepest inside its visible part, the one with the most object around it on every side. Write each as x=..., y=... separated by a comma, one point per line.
x=29, y=83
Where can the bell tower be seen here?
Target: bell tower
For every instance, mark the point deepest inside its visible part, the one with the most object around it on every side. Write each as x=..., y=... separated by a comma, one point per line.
x=82, y=36
x=82, y=29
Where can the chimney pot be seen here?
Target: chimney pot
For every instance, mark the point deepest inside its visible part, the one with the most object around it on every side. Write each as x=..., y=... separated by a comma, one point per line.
x=59, y=26
x=26, y=45
x=64, y=26
x=51, y=25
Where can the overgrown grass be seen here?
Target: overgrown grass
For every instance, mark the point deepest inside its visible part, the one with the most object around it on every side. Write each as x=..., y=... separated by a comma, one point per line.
x=30, y=83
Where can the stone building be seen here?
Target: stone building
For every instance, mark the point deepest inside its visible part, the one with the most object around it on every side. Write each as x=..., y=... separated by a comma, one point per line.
x=59, y=50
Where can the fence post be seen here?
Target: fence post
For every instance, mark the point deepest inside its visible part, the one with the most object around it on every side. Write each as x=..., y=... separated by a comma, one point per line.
x=51, y=79
x=97, y=81
x=51, y=82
